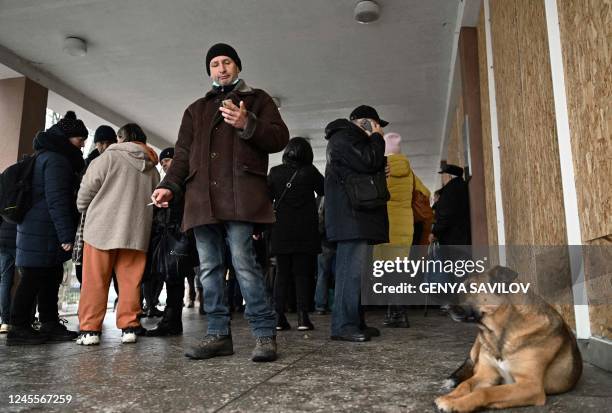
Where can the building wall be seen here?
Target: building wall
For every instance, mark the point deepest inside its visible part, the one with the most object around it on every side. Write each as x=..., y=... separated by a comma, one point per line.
x=586, y=36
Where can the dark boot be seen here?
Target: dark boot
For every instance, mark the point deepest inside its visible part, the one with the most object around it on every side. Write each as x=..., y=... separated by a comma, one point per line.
x=171, y=324
x=21, y=336
x=265, y=349
x=365, y=329
x=396, y=318
x=154, y=312
x=304, y=322
x=281, y=322
x=56, y=332
x=211, y=346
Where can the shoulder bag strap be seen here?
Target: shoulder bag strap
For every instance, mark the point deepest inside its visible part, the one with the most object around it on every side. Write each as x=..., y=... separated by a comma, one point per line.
x=287, y=186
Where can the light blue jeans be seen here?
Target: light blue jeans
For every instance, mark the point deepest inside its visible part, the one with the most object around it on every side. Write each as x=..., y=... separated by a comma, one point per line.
x=211, y=241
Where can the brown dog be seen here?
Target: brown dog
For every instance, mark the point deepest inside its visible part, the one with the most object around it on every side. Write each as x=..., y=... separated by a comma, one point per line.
x=523, y=352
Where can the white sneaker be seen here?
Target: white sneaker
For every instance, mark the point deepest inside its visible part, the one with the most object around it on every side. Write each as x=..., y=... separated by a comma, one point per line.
x=89, y=338
x=5, y=328
x=128, y=336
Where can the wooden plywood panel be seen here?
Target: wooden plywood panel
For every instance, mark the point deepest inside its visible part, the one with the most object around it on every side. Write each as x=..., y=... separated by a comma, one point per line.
x=486, y=133
x=455, y=146
x=586, y=39
x=515, y=179
x=546, y=191
x=599, y=291
x=531, y=183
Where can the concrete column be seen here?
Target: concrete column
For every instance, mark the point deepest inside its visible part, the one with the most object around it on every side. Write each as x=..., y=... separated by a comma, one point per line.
x=23, y=105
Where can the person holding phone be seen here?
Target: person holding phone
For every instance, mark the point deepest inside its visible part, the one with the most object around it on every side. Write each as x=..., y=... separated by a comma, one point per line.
x=355, y=147
x=220, y=165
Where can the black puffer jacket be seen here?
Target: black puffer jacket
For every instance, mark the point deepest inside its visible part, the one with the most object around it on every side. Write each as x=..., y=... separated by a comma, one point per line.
x=53, y=218
x=296, y=228
x=452, y=226
x=350, y=150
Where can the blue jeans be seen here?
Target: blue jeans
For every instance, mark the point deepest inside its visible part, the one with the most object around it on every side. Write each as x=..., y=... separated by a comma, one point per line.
x=211, y=241
x=7, y=272
x=324, y=274
x=353, y=260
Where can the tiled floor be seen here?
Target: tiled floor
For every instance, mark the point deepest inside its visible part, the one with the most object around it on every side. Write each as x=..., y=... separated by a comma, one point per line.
x=400, y=371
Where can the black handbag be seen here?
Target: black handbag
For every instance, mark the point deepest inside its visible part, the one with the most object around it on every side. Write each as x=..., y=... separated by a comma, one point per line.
x=170, y=252
x=367, y=191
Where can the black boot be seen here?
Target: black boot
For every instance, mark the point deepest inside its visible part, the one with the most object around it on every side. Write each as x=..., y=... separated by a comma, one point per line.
x=153, y=311
x=396, y=317
x=171, y=324
x=56, y=331
x=304, y=322
x=20, y=336
x=281, y=322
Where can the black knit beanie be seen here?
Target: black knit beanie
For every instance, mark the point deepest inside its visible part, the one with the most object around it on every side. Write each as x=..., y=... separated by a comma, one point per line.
x=71, y=126
x=166, y=153
x=222, y=49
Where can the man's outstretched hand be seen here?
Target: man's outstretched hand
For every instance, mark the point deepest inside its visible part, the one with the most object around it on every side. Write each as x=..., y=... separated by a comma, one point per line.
x=161, y=197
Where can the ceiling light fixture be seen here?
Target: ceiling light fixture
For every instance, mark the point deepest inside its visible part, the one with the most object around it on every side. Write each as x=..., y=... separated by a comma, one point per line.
x=367, y=11
x=75, y=46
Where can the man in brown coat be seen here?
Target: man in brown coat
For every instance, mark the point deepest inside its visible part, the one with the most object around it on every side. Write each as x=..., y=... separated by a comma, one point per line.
x=220, y=165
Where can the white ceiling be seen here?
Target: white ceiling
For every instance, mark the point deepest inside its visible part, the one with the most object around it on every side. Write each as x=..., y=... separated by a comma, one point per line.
x=145, y=60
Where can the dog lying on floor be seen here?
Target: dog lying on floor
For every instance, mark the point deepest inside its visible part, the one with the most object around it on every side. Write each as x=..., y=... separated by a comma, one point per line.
x=523, y=352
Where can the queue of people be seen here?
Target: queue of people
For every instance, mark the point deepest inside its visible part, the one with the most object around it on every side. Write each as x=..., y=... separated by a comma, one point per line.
x=215, y=209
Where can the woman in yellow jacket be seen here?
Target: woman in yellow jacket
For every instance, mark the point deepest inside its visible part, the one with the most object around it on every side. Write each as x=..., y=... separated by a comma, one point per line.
x=400, y=182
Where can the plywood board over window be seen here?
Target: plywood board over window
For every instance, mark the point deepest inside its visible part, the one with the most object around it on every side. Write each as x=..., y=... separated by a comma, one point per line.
x=586, y=36
x=530, y=168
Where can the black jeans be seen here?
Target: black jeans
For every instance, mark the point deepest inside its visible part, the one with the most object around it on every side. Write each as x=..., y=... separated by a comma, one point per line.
x=174, y=296
x=37, y=282
x=302, y=269
x=191, y=283
x=152, y=287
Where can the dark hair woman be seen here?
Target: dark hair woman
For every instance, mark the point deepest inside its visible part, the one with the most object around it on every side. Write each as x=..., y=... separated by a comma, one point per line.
x=295, y=237
x=46, y=235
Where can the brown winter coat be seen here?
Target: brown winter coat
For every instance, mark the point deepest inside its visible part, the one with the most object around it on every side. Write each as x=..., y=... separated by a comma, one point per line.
x=222, y=170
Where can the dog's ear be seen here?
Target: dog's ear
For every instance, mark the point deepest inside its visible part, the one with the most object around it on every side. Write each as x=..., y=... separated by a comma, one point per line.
x=501, y=274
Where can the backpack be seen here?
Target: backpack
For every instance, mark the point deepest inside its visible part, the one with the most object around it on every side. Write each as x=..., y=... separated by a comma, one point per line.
x=16, y=189
x=421, y=210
